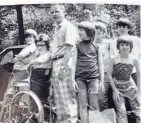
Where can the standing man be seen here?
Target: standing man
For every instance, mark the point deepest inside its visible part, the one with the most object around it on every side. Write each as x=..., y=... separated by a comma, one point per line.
x=63, y=81
x=123, y=27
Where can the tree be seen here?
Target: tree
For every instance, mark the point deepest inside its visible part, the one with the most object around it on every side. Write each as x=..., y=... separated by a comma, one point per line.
x=20, y=23
x=38, y=18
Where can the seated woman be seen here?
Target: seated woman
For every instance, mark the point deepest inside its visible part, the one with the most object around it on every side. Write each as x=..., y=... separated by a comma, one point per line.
x=41, y=68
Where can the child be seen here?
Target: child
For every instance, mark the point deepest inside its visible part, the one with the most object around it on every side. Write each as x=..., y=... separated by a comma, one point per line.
x=123, y=26
x=22, y=60
x=89, y=70
x=25, y=56
x=122, y=66
x=100, y=32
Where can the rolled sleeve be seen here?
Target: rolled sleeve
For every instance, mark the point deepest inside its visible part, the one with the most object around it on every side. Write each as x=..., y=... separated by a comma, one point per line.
x=70, y=35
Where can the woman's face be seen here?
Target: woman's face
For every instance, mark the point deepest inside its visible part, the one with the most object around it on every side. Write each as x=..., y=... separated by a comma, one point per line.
x=29, y=40
x=124, y=48
x=41, y=46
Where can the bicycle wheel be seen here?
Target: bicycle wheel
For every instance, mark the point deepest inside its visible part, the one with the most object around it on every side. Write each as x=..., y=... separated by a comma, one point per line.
x=30, y=111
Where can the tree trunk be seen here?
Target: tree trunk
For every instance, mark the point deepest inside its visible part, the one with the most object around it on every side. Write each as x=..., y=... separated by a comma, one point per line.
x=20, y=24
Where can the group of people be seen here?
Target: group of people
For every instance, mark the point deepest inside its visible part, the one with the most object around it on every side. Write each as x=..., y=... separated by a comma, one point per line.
x=80, y=74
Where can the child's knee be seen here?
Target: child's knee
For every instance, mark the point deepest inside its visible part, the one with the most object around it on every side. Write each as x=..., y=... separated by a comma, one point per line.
x=94, y=103
x=94, y=107
x=83, y=105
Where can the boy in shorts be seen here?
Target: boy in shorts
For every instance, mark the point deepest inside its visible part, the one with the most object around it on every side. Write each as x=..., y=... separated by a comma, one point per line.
x=89, y=70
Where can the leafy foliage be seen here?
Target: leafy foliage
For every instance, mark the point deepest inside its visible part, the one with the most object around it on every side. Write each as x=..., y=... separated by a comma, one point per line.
x=38, y=17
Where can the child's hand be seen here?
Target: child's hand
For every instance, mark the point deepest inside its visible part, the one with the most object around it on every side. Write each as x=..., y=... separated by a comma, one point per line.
x=75, y=86
x=101, y=86
x=116, y=95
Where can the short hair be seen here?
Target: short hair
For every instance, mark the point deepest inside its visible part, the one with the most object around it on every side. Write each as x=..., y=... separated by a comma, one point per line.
x=43, y=38
x=30, y=32
x=126, y=40
x=59, y=6
x=86, y=11
x=102, y=26
x=124, y=21
x=88, y=27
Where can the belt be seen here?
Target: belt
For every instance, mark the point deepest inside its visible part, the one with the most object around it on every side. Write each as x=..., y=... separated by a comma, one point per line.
x=58, y=57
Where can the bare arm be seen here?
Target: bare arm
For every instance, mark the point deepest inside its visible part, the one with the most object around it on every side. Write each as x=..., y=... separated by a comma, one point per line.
x=70, y=40
x=101, y=64
x=109, y=73
x=74, y=62
x=25, y=52
x=112, y=49
x=67, y=54
x=136, y=63
x=70, y=36
x=21, y=55
x=41, y=59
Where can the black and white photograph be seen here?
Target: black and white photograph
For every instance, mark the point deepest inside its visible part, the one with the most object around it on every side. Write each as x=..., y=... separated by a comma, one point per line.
x=70, y=62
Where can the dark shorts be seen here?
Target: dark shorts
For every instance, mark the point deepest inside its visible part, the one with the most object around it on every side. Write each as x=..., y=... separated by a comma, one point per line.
x=90, y=86
x=40, y=82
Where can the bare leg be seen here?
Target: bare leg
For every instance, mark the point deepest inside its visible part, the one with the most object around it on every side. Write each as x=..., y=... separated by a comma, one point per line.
x=82, y=96
x=93, y=100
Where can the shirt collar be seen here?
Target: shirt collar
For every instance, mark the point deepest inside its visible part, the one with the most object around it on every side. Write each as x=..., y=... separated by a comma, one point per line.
x=62, y=23
x=64, y=20
x=57, y=26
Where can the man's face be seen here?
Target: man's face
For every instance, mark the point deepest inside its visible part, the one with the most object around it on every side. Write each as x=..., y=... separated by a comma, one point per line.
x=122, y=29
x=57, y=14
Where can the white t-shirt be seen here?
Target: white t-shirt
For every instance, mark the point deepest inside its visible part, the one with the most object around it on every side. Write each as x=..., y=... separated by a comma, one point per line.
x=105, y=47
x=31, y=54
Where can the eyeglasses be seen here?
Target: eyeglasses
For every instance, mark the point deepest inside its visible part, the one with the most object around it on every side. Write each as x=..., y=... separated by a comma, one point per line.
x=41, y=45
